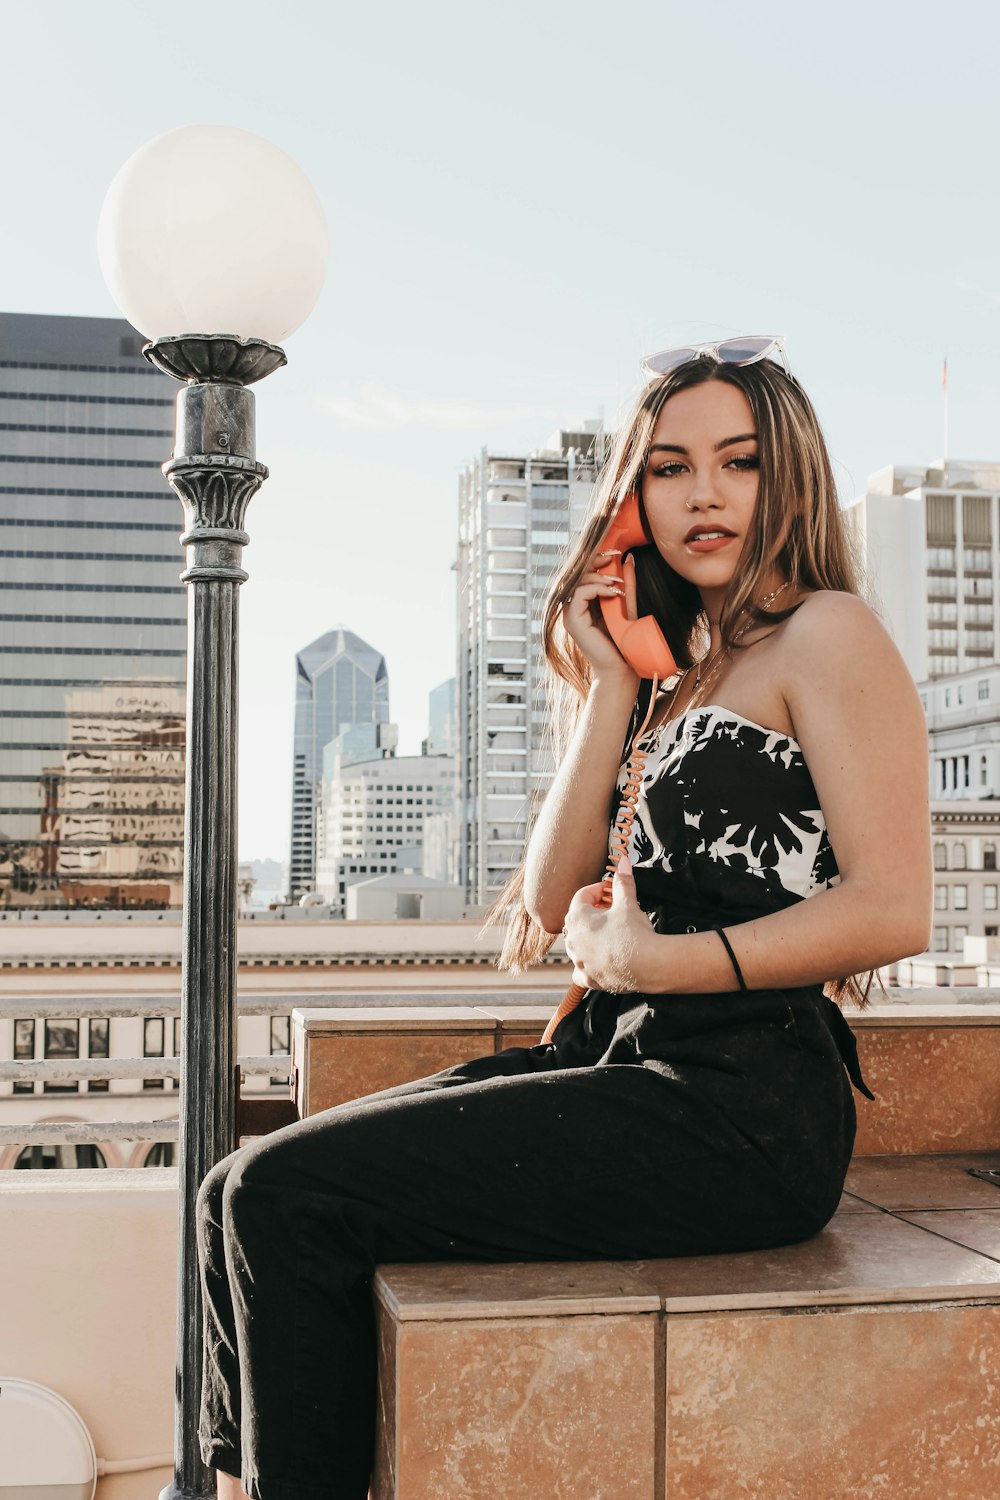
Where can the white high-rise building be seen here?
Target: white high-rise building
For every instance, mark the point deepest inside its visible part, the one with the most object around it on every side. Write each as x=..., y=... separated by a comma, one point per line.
x=931, y=540
x=931, y=537
x=517, y=514
x=374, y=812
x=963, y=722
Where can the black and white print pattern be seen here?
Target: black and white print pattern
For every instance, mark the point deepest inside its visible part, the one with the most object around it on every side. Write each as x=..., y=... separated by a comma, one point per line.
x=720, y=787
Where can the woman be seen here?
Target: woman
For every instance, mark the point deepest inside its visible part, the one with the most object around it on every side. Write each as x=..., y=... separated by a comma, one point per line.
x=696, y=1098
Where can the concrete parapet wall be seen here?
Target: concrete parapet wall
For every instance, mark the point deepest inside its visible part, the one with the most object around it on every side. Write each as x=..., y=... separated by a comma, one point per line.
x=88, y=1260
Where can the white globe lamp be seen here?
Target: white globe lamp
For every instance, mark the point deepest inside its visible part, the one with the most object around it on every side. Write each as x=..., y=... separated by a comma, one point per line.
x=213, y=230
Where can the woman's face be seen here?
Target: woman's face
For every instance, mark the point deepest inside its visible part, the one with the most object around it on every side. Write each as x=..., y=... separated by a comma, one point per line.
x=701, y=480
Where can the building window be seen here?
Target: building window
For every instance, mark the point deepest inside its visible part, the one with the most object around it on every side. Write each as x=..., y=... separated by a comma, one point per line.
x=98, y=1038
x=940, y=857
x=958, y=856
x=982, y=770
x=989, y=856
x=961, y=933
x=947, y=691
x=940, y=940
x=991, y=932
x=152, y=1046
x=62, y=1043
x=60, y=1156
x=961, y=895
x=24, y=1051
x=160, y=1154
x=983, y=688
x=941, y=898
x=990, y=897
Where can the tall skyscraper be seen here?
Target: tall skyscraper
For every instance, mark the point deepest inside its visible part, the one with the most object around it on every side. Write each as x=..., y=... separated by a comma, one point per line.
x=442, y=719
x=931, y=539
x=340, y=681
x=92, y=620
x=517, y=514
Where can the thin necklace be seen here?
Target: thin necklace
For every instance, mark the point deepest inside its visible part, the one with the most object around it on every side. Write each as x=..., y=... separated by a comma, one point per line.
x=710, y=665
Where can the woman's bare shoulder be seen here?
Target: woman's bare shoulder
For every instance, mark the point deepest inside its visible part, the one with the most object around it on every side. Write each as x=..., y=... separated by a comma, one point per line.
x=831, y=604
x=835, y=647
x=832, y=621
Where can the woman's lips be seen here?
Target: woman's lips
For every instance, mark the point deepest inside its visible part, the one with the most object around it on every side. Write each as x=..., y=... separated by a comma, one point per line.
x=708, y=544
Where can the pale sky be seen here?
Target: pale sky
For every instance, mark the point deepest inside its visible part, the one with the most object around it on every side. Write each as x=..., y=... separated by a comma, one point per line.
x=523, y=200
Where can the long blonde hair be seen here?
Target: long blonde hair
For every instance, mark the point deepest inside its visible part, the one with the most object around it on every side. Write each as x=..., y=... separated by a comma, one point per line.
x=797, y=527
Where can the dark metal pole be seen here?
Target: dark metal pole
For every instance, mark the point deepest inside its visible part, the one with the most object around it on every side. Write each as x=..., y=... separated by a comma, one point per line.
x=215, y=474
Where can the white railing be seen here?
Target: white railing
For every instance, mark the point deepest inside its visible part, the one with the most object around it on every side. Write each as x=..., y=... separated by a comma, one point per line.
x=74, y=1070
x=94, y=1132
x=69, y=1070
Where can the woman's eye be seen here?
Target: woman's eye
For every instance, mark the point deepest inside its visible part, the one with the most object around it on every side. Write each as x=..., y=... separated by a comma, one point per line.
x=744, y=462
x=668, y=470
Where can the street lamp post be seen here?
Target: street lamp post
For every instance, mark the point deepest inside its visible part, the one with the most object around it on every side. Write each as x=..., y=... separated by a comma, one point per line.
x=168, y=251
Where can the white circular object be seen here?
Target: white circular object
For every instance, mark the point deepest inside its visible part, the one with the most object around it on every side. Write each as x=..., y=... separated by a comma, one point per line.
x=210, y=229
x=43, y=1442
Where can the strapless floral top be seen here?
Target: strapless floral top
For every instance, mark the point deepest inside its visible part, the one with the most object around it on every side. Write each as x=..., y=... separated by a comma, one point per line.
x=724, y=797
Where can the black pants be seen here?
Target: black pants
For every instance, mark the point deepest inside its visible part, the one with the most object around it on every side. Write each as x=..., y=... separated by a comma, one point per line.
x=524, y=1155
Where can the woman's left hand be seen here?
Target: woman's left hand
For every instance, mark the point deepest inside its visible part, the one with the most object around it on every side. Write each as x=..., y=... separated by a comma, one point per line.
x=610, y=946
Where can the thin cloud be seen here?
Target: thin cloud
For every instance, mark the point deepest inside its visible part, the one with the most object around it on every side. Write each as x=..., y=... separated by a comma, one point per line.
x=988, y=300
x=382, y=409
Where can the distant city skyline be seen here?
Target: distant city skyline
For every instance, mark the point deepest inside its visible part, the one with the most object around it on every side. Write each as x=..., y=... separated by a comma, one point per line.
x=521, y=204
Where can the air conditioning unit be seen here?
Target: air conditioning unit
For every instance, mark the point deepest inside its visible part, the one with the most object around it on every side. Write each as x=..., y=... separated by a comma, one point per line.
x=43, y=1443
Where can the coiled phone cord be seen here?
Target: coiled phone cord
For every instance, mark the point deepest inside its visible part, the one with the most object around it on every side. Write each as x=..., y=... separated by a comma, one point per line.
x=621, y=837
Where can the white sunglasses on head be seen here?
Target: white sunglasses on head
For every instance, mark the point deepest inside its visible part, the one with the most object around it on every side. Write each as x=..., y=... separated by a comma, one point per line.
x=744, y=351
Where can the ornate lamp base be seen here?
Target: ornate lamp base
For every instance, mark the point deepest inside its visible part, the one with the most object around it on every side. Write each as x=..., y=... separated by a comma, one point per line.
x=219, y=357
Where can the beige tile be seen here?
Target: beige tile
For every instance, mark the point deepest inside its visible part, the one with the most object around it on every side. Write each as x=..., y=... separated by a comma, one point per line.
x=976, y=1228
x=849, y=1204
x=519, y=1025
x=514, y=1289
x=523, y=1017
x=923, y=1181
x=843, y=1404
x=526, y=1410
x=902, y=1011
x=937, y=1088
x=342, y=1067
x=345, y=1019
x=509, y=1038
x=384, y=1475
x=858, y=1258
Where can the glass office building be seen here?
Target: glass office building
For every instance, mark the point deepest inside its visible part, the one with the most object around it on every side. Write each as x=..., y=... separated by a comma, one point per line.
x=92, y=620
x=340, y=681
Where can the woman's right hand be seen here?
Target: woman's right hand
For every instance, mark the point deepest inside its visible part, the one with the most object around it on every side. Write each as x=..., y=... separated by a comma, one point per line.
x=585, y=624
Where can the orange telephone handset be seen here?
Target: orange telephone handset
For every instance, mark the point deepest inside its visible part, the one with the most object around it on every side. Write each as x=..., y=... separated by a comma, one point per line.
x=644, y=647
x=641, y=642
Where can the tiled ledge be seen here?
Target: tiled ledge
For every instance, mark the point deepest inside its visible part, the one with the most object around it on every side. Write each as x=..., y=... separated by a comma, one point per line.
x=858, y=1363
x=935, y=1072
x=935, y=1069
x=345, y=1052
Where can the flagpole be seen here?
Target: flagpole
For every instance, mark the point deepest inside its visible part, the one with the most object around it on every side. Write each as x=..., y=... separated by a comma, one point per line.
x=944, y=387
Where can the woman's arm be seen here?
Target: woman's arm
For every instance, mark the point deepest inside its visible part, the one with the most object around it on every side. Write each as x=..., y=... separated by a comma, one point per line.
x=858, y=719
x=569, y=843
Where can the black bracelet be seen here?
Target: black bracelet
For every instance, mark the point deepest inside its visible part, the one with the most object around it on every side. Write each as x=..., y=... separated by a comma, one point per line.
x=732, y=955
